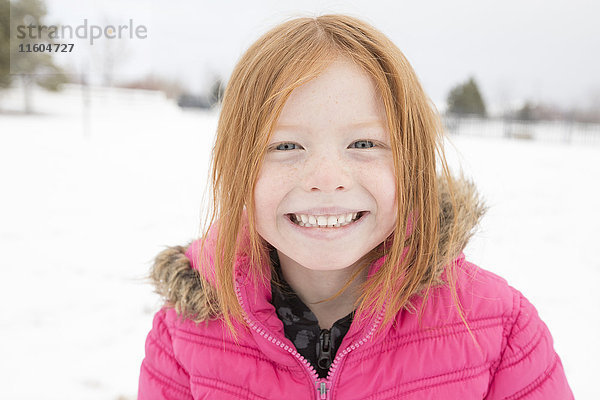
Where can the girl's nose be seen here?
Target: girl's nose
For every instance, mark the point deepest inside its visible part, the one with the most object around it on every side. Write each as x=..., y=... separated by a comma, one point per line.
x=326, y=173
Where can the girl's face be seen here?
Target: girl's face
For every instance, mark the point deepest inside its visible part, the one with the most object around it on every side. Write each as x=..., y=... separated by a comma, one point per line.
x=329, y=156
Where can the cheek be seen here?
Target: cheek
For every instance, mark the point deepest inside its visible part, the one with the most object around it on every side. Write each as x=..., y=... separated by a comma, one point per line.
x=271, y=186
x=383, y=188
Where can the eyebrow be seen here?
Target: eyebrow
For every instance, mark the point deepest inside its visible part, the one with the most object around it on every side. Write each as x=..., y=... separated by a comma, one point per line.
x=353, y=125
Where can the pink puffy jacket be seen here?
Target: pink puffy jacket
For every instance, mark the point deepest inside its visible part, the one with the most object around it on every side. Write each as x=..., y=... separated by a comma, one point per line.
x=438, y=359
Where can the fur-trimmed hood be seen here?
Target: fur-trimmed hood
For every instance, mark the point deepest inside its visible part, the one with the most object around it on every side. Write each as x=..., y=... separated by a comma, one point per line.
x=192, y=295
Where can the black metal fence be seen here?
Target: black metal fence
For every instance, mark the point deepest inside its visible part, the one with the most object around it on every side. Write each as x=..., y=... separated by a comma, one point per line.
x=554, y=131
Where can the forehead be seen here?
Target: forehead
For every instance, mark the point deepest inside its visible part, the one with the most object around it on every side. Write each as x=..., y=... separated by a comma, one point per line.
x=342, y=94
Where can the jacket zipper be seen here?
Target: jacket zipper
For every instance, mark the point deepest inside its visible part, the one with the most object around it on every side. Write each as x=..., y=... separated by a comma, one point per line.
x=338, y=359
x=324, y=354
x=323, y=391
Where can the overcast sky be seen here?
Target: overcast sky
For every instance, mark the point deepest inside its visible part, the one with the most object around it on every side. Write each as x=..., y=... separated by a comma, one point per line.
x=516, y=49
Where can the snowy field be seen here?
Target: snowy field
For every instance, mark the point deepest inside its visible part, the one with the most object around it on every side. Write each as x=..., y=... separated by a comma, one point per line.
x=83, y=212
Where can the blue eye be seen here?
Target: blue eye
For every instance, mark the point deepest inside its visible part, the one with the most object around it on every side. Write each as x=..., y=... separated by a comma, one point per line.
x=286, y=146
x=364, y=144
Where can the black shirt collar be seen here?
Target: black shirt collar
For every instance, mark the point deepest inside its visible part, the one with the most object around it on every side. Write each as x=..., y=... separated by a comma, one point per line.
x=301, y=326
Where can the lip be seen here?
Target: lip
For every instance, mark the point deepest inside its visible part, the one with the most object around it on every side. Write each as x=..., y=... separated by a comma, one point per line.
x=328, y=233
x=327, y=211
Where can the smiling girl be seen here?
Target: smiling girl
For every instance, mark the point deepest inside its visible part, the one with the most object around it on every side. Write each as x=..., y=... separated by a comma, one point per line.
x=332, y=266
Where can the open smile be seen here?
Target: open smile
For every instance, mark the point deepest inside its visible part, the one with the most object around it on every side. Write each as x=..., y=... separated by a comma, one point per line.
x=327, y=232
x=325, y=221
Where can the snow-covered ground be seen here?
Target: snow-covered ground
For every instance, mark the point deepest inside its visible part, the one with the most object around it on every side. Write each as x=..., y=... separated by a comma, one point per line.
x=84, y=211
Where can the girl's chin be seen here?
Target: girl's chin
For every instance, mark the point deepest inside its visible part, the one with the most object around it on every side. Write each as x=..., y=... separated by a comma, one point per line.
x=317, y=262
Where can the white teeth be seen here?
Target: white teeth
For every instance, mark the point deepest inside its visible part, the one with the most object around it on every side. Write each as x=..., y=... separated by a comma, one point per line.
x=324, y=220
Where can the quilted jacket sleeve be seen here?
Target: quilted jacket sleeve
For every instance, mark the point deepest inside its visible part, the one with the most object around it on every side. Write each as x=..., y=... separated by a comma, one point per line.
x=161, y=376
x=529, y=367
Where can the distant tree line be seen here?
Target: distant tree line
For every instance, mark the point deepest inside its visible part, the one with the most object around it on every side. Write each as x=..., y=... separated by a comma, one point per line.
x=538, y=111
x=465, y=99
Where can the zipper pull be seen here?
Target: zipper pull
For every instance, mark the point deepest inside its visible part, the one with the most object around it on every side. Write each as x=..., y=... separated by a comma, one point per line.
x=324, y=356
x=322, y=390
